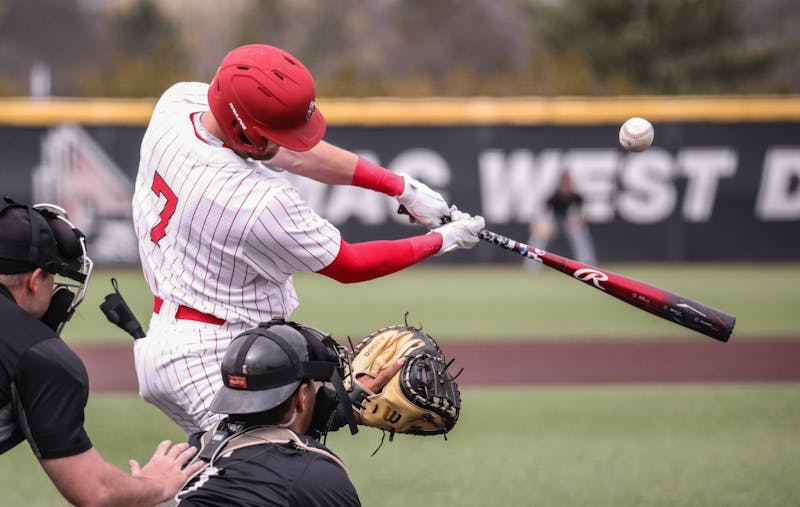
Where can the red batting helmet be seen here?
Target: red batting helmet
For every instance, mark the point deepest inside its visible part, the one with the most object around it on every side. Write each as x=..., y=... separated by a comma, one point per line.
x=263, y=93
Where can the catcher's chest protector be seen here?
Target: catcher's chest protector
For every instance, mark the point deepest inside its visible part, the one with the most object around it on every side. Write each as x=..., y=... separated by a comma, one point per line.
x=262, y=435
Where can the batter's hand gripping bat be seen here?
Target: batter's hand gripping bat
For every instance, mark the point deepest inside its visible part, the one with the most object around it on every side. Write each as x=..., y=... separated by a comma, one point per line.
x=662, y=303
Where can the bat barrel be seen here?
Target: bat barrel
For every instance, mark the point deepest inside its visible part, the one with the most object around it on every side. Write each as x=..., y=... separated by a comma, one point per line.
x=662, y=303
x=702, y=318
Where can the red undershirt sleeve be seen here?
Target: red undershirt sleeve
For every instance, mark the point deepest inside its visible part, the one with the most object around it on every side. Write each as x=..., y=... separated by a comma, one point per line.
x=374, y=177
x=358, y=262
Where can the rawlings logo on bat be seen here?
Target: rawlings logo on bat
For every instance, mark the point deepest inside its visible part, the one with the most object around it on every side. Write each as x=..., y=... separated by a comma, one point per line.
x=587, y=275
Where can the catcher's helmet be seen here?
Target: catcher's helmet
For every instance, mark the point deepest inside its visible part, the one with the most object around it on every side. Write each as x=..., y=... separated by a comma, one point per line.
x=263, y=93
x=264, y=366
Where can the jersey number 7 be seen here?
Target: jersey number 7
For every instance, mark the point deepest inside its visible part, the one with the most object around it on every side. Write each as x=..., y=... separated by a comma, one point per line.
x=160, y=187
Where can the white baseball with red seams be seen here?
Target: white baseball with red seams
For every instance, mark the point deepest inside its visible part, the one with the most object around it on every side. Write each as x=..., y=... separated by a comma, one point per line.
x=636, y=134
x=201, y=215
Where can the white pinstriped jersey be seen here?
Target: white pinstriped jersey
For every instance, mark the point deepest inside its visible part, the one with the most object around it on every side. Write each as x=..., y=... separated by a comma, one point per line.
x=220, y=235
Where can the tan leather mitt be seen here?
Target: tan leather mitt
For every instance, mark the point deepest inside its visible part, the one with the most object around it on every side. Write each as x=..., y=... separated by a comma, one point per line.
x=421, y=399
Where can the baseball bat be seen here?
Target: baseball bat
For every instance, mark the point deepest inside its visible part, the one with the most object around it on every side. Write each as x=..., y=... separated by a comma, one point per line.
x=662, y=303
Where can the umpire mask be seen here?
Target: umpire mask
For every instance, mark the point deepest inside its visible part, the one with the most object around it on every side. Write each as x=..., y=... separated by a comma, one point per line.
x=41, y=236
x=264, y=366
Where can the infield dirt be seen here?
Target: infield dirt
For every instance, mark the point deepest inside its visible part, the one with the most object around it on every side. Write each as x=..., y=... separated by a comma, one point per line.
x=762, y=359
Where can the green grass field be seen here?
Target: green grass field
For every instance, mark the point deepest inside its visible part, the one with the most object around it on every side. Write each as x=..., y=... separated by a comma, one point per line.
x=643, y=445
x=654, y=445
x=502, y=302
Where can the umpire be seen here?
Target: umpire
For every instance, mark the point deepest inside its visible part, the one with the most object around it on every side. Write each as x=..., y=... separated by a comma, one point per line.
x=43, y=384
x=282, y=393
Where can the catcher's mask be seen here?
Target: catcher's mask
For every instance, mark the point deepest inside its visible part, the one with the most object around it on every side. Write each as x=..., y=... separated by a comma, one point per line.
x=41, y=236
x=263, y=367
x=262, y=93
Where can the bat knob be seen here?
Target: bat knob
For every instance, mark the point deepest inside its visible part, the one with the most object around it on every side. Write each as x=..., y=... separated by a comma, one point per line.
x=403, y=211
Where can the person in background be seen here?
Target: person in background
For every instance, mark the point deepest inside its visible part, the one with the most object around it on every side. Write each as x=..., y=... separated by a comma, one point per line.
x=563, y=213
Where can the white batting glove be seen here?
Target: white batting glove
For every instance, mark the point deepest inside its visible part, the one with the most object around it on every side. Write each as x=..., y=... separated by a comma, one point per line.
x=424, y=204
x=461, y=232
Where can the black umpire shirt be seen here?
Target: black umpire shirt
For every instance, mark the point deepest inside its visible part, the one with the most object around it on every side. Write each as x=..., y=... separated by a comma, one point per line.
x=271, y=475
x=43, y=386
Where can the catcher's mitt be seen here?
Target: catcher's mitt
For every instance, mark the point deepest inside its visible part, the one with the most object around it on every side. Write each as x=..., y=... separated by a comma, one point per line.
x=421, y=399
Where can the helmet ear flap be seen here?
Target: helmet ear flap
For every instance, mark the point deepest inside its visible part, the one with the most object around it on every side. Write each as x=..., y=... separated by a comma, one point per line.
x=320, y=346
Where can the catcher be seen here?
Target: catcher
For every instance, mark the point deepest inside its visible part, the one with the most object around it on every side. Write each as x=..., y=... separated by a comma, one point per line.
x=283, y=391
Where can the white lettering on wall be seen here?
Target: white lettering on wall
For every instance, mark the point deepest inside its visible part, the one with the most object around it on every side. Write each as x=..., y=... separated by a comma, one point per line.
x=638, y=188
x=704, y=168
x=594, y=173
x=424, y=165
x=648, y=190
x=514, y=186
x=779, y=194
x=340, y=203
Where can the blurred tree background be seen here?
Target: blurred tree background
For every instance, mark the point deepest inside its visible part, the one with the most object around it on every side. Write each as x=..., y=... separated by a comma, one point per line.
x=406, y=48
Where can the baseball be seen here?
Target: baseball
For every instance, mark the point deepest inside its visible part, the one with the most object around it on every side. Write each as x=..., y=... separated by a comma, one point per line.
x=636, y=134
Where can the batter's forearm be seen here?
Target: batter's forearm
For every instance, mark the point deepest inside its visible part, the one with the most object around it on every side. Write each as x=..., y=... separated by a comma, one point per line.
x=324, y=162
x=359, y=262
x=335, y=166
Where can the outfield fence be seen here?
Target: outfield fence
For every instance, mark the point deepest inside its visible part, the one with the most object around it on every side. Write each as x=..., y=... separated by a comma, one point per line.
x=719, y=183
